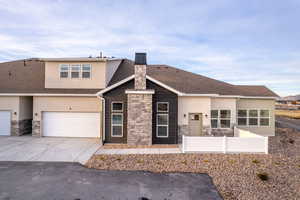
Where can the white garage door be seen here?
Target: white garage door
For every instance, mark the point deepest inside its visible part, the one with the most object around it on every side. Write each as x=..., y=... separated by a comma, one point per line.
x=4, y=123
x=71, y=124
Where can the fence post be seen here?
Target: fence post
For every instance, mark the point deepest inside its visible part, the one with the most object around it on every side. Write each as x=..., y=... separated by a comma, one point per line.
x=224, y=144
x=266, y=145
x=183, y=146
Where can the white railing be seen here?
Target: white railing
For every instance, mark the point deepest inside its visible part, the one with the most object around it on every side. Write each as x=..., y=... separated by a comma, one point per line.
x=225, y=144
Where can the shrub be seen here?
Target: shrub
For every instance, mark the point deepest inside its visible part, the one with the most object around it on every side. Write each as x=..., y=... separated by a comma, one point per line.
x=255, y=161
x=263, y=176
x=291, y=141
x=184, y=162
x=205, y=160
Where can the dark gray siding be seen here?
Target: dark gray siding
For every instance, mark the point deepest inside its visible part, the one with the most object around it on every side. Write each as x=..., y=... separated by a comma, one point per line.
x=161, y=95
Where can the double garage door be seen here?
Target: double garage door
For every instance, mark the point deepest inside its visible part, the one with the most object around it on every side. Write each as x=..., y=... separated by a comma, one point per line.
x=71, y=124
x=5, y=117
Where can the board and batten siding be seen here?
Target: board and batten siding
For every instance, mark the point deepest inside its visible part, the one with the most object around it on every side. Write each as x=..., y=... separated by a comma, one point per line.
x=258, y=104
x=161, y=95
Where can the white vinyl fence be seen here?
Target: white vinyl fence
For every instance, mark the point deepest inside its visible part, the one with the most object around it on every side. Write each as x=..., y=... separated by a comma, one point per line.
x=257, y=144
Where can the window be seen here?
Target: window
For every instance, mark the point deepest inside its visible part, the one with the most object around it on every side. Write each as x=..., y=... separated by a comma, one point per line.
x=162, y=119
x=75, y=71
x=117, y=119
x=225, y=117
x=162, y=107
x=242, y=117
x=214, y=118
x=86, y=71
x=264, y=118
x=162, y=125
x=253, y=117
x=117, y=107
x=220, y=118
x=64, y=71
x=117, y=124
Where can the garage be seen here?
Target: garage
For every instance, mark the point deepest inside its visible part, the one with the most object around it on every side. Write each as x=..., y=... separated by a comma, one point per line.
x=71, y=124
x=5, y=122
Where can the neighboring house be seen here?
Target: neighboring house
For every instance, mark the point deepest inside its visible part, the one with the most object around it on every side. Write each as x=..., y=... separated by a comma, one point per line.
x=122, y=101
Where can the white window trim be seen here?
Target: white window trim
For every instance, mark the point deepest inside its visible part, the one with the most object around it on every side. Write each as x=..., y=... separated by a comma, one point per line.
x=162, y=103
x=157, y=125
x=253, y=118
x=219, y=119
x=259, y=117
x=80, y=71
x=237, y=118
x=60, y=66
x=112, y=135
x=117, y=110
x=86, y=71
x=77, y=65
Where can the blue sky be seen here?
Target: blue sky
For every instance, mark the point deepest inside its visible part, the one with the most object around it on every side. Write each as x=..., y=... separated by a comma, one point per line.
x=241, y=42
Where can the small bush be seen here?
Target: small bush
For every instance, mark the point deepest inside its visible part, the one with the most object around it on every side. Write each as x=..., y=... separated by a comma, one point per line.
x=118, y=159
x=255, y=161
x=102, y=158
x=232, y=161
x=205, y=161
x=184, y=162
x=140, y=161
x=291, y=141
x=263, y=176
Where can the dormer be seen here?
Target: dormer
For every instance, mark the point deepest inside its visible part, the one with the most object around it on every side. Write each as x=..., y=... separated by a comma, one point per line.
x=79, y=73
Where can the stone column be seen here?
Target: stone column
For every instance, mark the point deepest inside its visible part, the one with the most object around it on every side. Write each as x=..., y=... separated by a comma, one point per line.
x=139, y=117
x=140, y=77
x=20, y=127
x=36, y=128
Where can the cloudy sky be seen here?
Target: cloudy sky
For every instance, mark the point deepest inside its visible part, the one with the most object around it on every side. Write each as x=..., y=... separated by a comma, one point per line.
x=242, y=42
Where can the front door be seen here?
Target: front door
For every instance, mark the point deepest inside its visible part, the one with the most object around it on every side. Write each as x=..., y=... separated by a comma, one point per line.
x=195, y=124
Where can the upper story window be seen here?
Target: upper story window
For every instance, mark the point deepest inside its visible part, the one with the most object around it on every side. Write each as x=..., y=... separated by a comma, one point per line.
x=64, y=71
x=86, y=71
x=220, y=118
x=75, y=71
x=117, y=107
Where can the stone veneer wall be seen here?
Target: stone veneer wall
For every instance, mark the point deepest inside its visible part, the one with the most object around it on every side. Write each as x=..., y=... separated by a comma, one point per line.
x=140, y=77
x=21, y=127
x=36, y=128
x=139, y=119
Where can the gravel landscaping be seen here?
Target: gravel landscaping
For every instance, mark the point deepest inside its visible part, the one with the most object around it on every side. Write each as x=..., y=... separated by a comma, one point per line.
x=237, y=176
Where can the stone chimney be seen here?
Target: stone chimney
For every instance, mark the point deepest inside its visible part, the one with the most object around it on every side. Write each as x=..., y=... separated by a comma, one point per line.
x=140, y=71
x=139, y=106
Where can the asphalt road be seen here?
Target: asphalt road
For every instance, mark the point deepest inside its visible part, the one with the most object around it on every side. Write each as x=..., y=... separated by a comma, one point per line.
x=71, y=181
x=288, y=122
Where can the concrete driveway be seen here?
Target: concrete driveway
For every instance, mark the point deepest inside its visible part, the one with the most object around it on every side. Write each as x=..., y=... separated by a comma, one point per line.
x=48, y=181
x=27, y=148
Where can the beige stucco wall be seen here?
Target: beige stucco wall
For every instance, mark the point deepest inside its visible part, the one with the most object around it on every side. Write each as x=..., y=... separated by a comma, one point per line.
x=65, y=104
x=10, y=104
x=225, y=104
x=26, y=105
x=188, y=105
x=259, y=104
x=53, y=80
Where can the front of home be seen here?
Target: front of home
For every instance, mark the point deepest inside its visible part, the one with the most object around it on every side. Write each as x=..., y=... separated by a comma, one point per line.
x=121, y=101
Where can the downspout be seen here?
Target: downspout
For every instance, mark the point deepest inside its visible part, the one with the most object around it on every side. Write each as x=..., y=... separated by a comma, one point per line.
x=103, y=118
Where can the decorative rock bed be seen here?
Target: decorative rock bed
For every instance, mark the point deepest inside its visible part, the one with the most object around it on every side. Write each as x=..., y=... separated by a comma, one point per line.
x=237, y=176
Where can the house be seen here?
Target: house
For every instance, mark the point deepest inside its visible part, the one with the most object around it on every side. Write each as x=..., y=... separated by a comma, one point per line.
x=121, y=101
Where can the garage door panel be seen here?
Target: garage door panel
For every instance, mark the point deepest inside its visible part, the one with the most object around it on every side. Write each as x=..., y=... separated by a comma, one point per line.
x=70, y=124
x=5, y=117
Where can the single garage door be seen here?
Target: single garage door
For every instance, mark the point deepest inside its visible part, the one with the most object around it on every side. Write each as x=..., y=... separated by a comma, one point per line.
x=5, y=122
x=71, y=124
